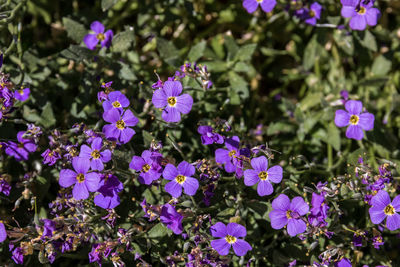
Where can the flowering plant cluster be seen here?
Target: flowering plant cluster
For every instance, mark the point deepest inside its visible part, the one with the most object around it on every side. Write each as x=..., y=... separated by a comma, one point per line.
x=195, y=134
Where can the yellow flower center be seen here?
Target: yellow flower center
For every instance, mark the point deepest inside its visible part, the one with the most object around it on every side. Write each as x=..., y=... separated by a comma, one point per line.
x=120, y=124
x=95, y=154
x=354, y=119
x=100, y=37
x=362, y=10
x=171, y=101
x=180, y=179
x=21, y=92
x=116, y=104
x=146, y=168
x=232, y=153
x=288, y=214
x=263, y=175
x=260, y=1
x=311, y=13
x=80, y=178
x=230, y=239
x=389, y=210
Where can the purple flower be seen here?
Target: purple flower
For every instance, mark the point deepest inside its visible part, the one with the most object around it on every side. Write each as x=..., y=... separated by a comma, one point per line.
x=118, y=129
x=289, y=213
x=108, y=198
x=171, y=218
x=311, y=15
x=229, y=237
x=116, y=100
x=48, y=228
x=21, y=150
x=92, y=39
x=5, y=187
x=50, y=157
x=361, y=13
x=353, y=118
x=266, y=5
x=180, y=177
x=232, y=156
x=84, y=182
x=383, y=208
x=174, y=103
x=343, y=263
x=208, y=136
x=377, y=241
x=262, y=175
x=95, y=155
x=3, y=232
x=17, y=254
x=22, y=94
x=148, y=165
x=319, y=210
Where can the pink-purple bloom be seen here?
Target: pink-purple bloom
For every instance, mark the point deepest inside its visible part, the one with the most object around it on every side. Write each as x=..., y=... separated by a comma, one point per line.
x=3, y=232
x=109, y=187
x=286, y=212
x=311, y=15
x=266, y=5
x=360, y=13
x=22, y=94
x=356, y=120
x=262, y=175
x=180, y=178
x=169, y=98
x=95, y=154
x=116, y=100
x=171, y=218
x=50, y=157
x=232, y=156
x=383, y=208
x=318, y=211
x=119, y=129
x=92, y=39
x=83, y=180
x=148, y=165
x=229, y=237
x=21, y=150
x=208, y=136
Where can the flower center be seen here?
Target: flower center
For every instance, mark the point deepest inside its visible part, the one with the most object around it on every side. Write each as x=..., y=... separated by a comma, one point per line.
x=311, y=13
x=389, y=210
x=362, y=10
x=21, y=92
x=80, y=178
x=95, y=154
x=260, y=1
x=100, y=37
x=232, y=153
x=180, y=179
x=116, y=104
x=146, y=168
x=230, y=239
x=289, y=214
x=120, y=124
x=354, y=119
x=171, y=101
x=263, y=175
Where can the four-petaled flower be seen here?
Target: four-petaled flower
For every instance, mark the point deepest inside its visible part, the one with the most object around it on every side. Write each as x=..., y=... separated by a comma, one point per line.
x=208, y=136
x=310, y=16
x=92, y=39
x=266, y=5
x=95, y=155
x=229, y=235
x=171, y=218
x=262, y=175
x=22, y=94
x=171, y=101
x=118, y=129
x=117, y=100
x=361, y=13
x=180, y=177
x=353, y=118
x=383, y=208
x=148, y=165
x=286, y=212
x=84, y=182
x=232, y=156
x=21, y=150
x=109, y=187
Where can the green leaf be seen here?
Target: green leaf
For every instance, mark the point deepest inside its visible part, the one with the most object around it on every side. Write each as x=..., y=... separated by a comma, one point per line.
x=75, y=30
x=167, y=51
x=311, y=53
x=333, y=137
x=238, y=84
x=158, y=230
x=310, y=101
x=381, y=66
x=77, y=53
x=196, y=51
x=123, y=40
x=367, y=40
x=30, y=114
x=216, y=66
x=47, y=115
x=107, y=4
x=245, y=52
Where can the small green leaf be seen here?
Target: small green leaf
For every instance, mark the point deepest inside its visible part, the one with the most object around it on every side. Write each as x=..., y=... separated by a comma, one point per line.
x=47, y=115
x=77, y=53
x=123, y=41
x=381, y=66
x=167, y=51
x=196, y=51
x=245, y=52
x=107, y=4
x=75, y=30
x=367, y=40
x=158, y=230
x=333, y=137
